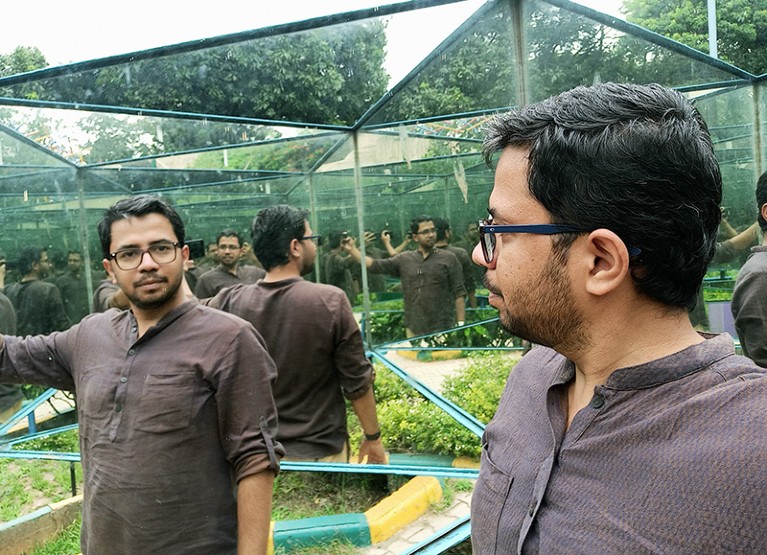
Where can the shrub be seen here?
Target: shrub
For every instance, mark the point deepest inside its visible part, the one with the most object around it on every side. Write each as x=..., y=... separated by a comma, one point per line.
x=410, y=423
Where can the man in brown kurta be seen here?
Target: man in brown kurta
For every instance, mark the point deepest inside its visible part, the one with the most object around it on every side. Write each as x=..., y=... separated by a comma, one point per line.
x=316, y=344
x=174, y=403
x=432, y=280
x=229, y=271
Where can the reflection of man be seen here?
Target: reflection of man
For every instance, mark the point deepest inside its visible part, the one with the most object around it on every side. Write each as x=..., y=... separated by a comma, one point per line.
x=74, y=292
x=627, y=431
x=338, y=265
x=228, y=272
x=311, y=333
x=38, y=303
x=173, y=398
x=444, y=235
x=11, y=396
x=432, y=280
x=749, y=297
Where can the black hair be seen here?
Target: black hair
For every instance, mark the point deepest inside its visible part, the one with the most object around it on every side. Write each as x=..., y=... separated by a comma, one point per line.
x=441, y=226
x=635, y=159
x=273, y=230
x=28, y=257
x=417, y=221
x=137, y=206
x=229, y=232
x=761, y=199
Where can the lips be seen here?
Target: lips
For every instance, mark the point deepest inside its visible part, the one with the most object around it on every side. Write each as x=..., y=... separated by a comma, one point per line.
x=149, y=282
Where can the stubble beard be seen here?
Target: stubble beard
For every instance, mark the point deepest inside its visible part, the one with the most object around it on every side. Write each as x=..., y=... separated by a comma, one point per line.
x=168, y=293
x=545, y=311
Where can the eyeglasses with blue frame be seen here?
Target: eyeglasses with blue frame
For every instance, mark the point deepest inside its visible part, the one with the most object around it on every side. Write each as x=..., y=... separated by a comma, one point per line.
x=487, y=231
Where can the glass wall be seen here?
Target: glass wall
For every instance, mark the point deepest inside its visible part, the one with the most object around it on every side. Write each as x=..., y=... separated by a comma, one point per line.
x=315, y=114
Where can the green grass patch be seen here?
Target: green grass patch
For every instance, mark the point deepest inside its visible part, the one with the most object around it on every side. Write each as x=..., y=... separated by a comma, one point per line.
x=28, y=484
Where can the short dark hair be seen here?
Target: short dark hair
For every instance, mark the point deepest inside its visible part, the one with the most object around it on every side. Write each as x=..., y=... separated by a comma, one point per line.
x=137, y=206
x=441, y=226
x=635, y=159
x=417, y=221
x=229, y=232
x=28, y=257
x=761, y=199
x=272, y=231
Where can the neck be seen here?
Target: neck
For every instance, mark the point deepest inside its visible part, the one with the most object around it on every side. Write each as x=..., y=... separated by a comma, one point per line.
x=631, y=338
x=30, y=277
x=425, y=250
x=231, y=269
x=442, y=243
x=148, y=317
x=280, y=273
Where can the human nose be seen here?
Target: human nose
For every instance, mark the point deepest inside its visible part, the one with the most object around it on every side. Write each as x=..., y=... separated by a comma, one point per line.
x=478, y=257
x=147, y=262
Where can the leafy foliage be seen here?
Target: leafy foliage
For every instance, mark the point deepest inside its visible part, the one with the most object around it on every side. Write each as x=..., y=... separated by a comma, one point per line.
x=410, y=423
x=741, y=27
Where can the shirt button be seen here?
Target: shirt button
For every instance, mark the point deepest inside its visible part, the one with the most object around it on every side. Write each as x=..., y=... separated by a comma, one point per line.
x=123, y=379
x=531, y=511
x=118, y=408
x=131, y=352
x=597, y=402
x=133, y=328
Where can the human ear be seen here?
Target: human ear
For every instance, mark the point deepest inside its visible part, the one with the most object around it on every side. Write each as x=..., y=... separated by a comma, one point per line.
x=609, y=262
x=108, y=268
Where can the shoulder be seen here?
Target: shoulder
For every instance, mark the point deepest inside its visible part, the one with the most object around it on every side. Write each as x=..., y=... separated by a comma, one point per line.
x=220, y=322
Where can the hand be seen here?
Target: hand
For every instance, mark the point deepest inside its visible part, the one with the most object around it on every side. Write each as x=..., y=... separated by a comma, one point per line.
x=372, y=452
x=369, y=236
x=386, y=237
x=348, y=244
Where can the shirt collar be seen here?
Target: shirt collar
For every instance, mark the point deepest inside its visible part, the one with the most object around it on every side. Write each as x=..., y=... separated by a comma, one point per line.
x=663, y=370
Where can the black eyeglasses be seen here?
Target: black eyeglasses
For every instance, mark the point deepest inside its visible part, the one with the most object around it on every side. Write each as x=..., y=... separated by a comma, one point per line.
x=316, y=238
x=487, y=233
x=130, y=258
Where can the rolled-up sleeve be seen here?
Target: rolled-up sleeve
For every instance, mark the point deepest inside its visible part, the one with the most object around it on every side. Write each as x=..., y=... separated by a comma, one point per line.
x=247, y=414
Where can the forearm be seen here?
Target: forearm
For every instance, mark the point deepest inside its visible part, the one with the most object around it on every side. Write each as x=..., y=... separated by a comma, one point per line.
x=254, y=509
x=746, y=238
x=460, y=309
x=365, y=409
x=371, y=450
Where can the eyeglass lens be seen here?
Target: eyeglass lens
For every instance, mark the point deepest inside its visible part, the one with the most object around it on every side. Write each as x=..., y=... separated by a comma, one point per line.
x=130, y=259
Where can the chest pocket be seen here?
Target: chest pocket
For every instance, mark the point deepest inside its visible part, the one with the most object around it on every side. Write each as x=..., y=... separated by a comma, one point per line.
x=490, y=495
x=166, y=403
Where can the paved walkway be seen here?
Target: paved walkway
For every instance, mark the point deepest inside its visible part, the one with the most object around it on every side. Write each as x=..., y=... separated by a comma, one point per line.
x=422, y=529
x=430, y=374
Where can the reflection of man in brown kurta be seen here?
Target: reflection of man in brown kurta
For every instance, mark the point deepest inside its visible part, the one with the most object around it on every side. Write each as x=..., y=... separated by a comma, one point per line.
x=432, y=280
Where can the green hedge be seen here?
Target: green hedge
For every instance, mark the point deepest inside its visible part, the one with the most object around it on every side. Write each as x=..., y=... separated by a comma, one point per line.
x=410, y=423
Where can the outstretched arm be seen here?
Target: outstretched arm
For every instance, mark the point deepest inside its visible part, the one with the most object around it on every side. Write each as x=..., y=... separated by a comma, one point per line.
x=350, y=246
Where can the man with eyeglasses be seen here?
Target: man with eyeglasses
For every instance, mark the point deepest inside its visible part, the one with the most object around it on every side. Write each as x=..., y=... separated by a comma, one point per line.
x=432, y=280
x=177, y=420
x=311, y=333
x=229, y=271
x=625, y=430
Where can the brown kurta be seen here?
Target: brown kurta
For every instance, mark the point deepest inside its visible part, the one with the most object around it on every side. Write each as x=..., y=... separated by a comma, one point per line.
x=316, y=344
x=168, y=423
x=430, y=287
x=210, y=283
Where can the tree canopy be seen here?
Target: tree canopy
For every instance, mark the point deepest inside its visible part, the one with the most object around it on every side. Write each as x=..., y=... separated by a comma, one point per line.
x=741, y=27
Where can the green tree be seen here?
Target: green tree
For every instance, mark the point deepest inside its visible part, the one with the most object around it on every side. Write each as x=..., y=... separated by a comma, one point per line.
x=328, y=75
x=22, y=60
x=741, y=27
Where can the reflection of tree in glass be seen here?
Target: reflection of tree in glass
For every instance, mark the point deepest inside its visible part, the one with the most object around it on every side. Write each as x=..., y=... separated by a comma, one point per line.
x=741, y=24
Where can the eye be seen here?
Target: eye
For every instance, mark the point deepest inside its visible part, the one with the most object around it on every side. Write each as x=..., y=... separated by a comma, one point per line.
x=128, y=254
x=161, y=248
